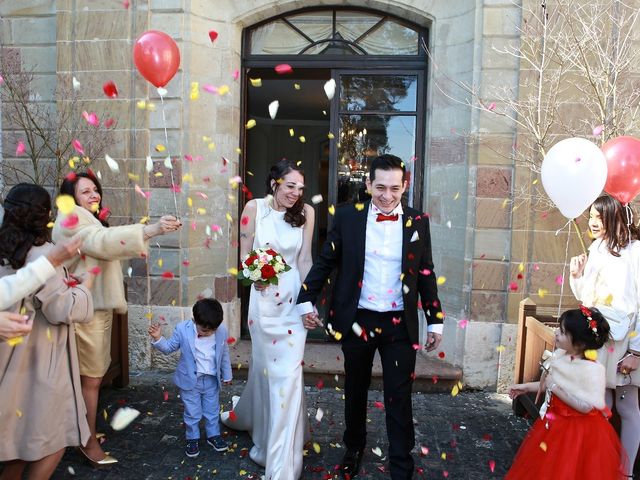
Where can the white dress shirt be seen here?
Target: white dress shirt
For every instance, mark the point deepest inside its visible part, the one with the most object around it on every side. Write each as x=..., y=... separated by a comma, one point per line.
x=206, y=355
x=381, y=284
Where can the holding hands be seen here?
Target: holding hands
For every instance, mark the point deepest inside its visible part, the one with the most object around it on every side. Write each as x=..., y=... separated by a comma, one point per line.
x=311, y=320
x=576, y=266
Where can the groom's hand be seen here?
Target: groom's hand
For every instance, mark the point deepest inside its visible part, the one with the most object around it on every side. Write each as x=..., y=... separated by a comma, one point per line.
x=311, y=321
x=433, y=340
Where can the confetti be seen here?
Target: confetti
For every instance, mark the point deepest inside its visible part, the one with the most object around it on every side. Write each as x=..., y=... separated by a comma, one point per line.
x=543, y=446
x=441, y=280
x=123, y=418
x=65, y=204
x=598, y=130
x=273, y=109
x=591, y=354
x=330, y=88
x=250, y=124
x=213, y=35
x=12, y=342
x=110, y=89
x=283, y=68
x=319, y=414
x=492, y=465
x=70, y=221
x=75, y=83
x=223, y=90
x=376, y=451
x=492, y=106
x=91, y=118
x=112, y=164
x=256, y=82
x=316, y=447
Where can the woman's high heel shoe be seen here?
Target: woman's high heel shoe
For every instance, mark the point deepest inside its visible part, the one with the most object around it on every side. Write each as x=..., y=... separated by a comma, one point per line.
x=107, y=460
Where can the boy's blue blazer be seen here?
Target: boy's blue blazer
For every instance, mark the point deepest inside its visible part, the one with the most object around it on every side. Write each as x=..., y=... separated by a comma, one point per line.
x=183, y=338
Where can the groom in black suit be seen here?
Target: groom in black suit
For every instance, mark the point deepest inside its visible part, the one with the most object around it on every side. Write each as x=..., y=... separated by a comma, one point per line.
x=382, y=253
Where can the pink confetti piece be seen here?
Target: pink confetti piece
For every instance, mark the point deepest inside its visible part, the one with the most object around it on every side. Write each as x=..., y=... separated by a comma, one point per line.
x=236, y=74
x=70, y=221
x=104, y=214
x=165, y=396
x=77, y=146
x=598, y=130
x=492, y=465
x=143, y=194
x=283, y=69
x=109, y=122
x=91, y=118
x=202, y=195
x=20, y=149
x=175, y=188
x=463, y=323
x=213, y=35
x=513, y=286
x=125, y=4
x=559, y=280
x=379, y=405
x=96, y=270
x=492, y=106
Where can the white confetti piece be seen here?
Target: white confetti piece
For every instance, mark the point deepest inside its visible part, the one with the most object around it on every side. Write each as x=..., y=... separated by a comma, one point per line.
x=76, y=84
x=319, y=414
x=273, y=109
x=330, y=88
x=149, y=164
x=123, y=417
x=112, y=164
x=167, y=163
x=316, y=199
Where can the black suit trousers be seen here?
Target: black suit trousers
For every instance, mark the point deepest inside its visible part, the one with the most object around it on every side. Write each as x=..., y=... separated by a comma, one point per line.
x=387, y=333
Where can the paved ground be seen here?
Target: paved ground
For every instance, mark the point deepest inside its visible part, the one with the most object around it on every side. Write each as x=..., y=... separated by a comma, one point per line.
x=459, y=437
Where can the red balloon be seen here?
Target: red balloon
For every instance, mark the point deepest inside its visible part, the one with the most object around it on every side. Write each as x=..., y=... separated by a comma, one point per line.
x=156, y=56
x=623, y=168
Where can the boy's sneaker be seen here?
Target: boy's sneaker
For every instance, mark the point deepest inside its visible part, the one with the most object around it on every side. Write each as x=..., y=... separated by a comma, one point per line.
x=193, y=448
x=218, y=443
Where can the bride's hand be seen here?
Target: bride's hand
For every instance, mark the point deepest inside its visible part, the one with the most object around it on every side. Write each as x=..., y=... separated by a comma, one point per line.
x=260, y=286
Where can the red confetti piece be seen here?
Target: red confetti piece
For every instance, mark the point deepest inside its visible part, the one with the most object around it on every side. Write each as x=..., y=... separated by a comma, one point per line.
x=486, y=437
x=231, y=340
x=283, y=68
x=513, y=286
x=379, y=405
x=109, y=122
x=20, y=149
x=434, y=379
x=320, y=384
x=520, y=276
x=396, y=321
x=166, y=396
x=417, y=346
x=186, y=263
x=71, y=282
x=244, y=220
x=91, y=118
x=492, y=465
x=232, y=416
x=167, y=275
x=70, y=221
x=213, y=35
x=441, y=355
x=71, y=176
x=104, y=214
x=96, y=270
x=110, y=89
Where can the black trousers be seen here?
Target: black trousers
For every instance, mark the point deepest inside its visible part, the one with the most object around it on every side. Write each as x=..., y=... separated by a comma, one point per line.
x=391, y=339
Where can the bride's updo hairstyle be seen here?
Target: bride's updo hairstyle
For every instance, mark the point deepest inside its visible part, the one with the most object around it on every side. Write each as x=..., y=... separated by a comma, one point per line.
x=294, y=215
x=27, y=213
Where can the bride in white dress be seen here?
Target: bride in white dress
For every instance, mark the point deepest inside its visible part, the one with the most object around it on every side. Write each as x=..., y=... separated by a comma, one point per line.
x=272, y=407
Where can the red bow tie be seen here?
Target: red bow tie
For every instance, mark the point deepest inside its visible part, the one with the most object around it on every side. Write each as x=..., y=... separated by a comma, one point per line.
x=383, y=218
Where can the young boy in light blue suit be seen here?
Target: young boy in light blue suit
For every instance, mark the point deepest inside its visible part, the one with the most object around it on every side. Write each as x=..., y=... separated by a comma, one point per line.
x=204, y=364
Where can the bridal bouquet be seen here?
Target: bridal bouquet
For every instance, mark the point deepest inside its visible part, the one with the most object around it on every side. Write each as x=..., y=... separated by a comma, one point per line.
x=262, y=265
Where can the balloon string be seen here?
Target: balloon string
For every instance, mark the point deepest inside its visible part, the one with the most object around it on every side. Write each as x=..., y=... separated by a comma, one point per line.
x=629, y=212
x=564, y=268
x=563, y=227
x=166, y=142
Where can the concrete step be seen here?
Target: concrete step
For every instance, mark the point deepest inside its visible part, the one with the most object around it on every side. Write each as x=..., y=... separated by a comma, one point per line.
x=324, y=361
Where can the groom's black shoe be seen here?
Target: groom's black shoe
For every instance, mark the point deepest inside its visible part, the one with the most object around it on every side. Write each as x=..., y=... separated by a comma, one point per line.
x=351, y=463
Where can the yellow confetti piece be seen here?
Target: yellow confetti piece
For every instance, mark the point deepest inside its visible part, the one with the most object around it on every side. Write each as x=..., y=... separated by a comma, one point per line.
x=243, y=472
x=206, y=139
x=302, y=139
x=187, y=177
x=195, y=92
x=401, y=276
x=455, y=390
x=86, y=160
x=337, y=336
x=151, y=107
x=158, y=174
x=160, y=148
x=211, y=146
x=408, y=223
x=95, y=207
x=250, y=124
x=189, y=202
x=239, y=151
x=359, y=206
x=223, y=90
x=104, y=414
x=500, y=348
x=233, y=271
x=144, y=220
x=291, y=132
x=632, y=334
x=72, y=164
x=256, y=82
x=296, y=86
x=443, y=456
x=543, y=446
x=439, y=315
x=591, y=354
x=608, y=300
x=132, y=176
x=441, y=280
x=141, y=104
x=542, y=292
x=18, y=413
x=65, y=204
x=23, y=310
x=201, y=211
x=330, y=136
x=316, y=447
x=50, y=225
x=229, y=218
x=456, y=196
x=160, y=262
x=332, y=210
x=148, y=315
x=12, y=342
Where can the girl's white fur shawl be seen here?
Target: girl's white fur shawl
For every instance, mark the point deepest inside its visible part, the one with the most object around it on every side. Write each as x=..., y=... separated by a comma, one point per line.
x=580, y=378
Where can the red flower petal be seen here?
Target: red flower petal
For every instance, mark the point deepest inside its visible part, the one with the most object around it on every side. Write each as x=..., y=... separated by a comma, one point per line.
x=231, y=340
x=167, y=275
x=70, y=221
x=283, y=68
x=232, y=416
x=96, y=270
x=213, y=35
x=110, y=89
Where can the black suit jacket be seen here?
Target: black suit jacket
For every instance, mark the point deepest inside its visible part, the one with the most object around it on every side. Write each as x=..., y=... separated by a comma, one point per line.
x=345, y=250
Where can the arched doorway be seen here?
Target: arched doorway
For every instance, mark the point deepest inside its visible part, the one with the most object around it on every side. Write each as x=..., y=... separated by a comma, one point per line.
x=378, y=65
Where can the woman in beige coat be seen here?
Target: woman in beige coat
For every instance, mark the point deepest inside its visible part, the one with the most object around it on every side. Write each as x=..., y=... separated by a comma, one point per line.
x=102, y=247
x=41, y=409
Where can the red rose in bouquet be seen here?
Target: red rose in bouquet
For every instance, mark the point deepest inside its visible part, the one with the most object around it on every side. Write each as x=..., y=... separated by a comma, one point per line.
x=262, y=266
x=268, y=272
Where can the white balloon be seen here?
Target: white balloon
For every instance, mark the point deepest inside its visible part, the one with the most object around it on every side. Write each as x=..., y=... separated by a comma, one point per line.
x=574, y=172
